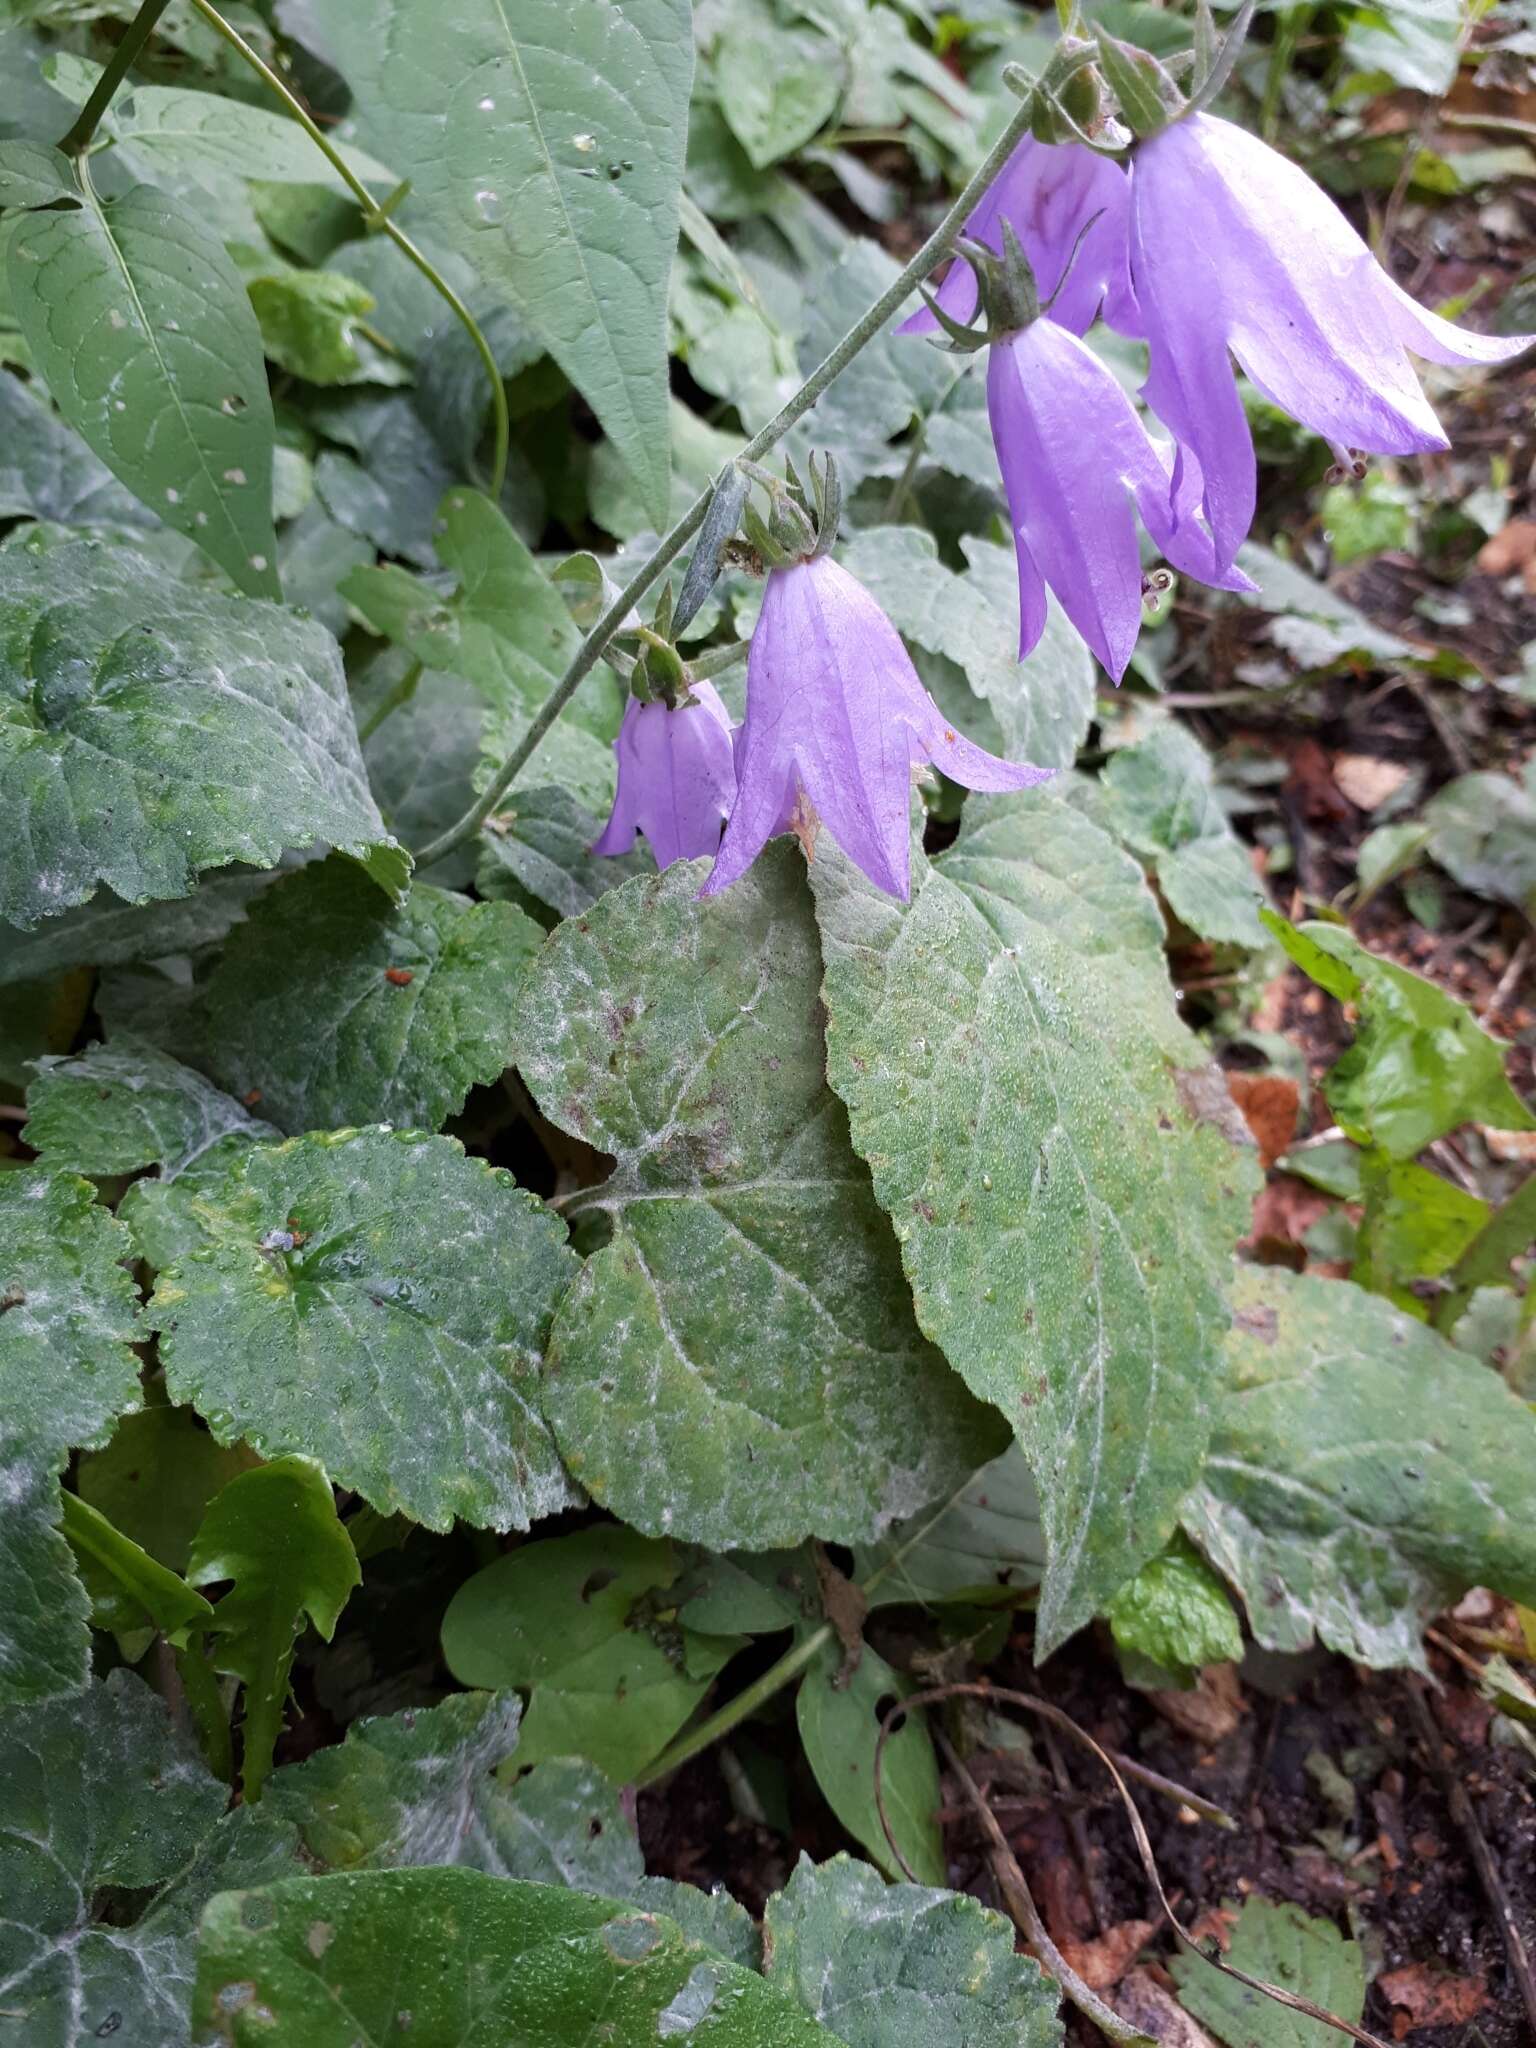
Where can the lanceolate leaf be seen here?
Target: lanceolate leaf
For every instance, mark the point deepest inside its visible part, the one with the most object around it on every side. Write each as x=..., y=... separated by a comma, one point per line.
x=376, y=1300
x=275, y=1533
x=545, y=143
x=527, y=1963
x=67, y=1317
x=101, y=1797
x=332, y=1006
x=1036, y=1120
x=1289, y=1948
x=1362, y=1472
x=140, y=325
x=838, y=1711
x=899, y=1966
x=739, y=1364
x=150, y=729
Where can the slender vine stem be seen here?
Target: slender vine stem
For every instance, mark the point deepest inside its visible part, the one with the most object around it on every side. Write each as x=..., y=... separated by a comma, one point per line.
x=378, y=220
x=135, y=36
x=402, y=693
x=672, y=544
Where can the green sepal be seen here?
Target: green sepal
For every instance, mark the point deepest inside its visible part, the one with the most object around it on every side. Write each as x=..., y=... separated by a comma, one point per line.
x=1149, y=99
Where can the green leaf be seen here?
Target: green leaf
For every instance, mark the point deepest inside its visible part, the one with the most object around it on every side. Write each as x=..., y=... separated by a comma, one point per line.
x=389, y=495
x=839, y=1716
x=68, y=1313
x=334, y=1006
x=1174, y=1617
x=1288, y=1948
x=580, y=1621
x=100, y=1795
x=778, y=84
x=1161, y=802
x=546, y=146
x=1483, y=831
x=121, y=1107
x=1311, y=623
x=1421, y=1064
x=275, y=1533
x=150, y=1594
x=47, y=472
x=166, y=133
x=984, y=1546
x=541, y=848
x=34, y=174
x=739, y=1365
x=898, y=1966
x=1043, y=1133
x=150, y=729
x=107, y=931
x=476, y=1961
x=1417, y=47
x=397, y=1338
x=421, y=763
x=1362, y=1473
x=1416, y=1225
x=142, y=329
x=156, y=1477
x=309, y=327
x=1043, y=705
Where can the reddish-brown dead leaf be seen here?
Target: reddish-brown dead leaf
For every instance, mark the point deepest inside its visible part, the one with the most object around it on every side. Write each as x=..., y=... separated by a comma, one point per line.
x=1102, y=1963
x=1211, y=1711
x=1430, y=1998
x=1270, y=1103
x=1144, y=2002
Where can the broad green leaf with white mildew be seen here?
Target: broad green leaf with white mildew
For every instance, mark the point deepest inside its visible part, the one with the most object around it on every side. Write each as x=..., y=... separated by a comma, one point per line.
x=47, y=472
x=150, y=729
x=1044, y=1134
x=899, y=1966
x=545, y=144
x=585, y=1624
x=121, y=1107
x=983, y=1546
x=330, y=1005
x=476, y=1962
x=779, y=81
x=378, y=1301
x=1362, y=1473
x=738, y=1365
x=68, y=1311
x=101, y=1796
x=140, y=325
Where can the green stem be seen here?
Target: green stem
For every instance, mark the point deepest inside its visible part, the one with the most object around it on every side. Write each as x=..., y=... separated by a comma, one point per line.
x=672, y=544
x=789, y=1666
x=717, y=660
x=135, y=36
x=206, y=1703
x=377, y=218
x=402, y=693
x=757, y=1694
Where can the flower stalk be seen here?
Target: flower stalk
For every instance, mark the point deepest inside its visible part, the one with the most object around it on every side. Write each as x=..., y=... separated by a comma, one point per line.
x=864, y=330
x=135, y=36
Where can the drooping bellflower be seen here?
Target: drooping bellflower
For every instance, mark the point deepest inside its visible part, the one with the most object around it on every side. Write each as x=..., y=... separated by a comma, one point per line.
x=1235, y=249
x=677, y=777
x=1070, y=211
x=1077, y=466
x=836, y=719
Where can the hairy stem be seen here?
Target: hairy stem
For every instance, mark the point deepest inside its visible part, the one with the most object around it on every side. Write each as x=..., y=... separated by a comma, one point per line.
x=135, y=36
x=378, y=220
x=734, y=1712
x=206, y=1704
x=402, y=693
x=672, y=544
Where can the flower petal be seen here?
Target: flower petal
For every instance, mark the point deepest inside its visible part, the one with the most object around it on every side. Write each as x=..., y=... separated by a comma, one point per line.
x=1441, y=341
x=1052, y=195
x=677, y=778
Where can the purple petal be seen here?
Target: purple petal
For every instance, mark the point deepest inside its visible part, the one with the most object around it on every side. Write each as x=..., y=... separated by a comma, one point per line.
x=1050, y=194
x=1074, y=456
x=1441, y=341
x=677, y=778
x=836, y=713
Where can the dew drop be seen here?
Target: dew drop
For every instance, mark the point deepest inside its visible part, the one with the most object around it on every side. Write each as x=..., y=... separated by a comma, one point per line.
x=234, y=476
x=585, y=143
x=173, y=497
x=487, y=106
x=258, y=563
x=488, y=206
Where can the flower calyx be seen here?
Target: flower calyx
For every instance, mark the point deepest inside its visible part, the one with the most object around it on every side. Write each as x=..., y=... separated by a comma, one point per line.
x=1146, y=90
x=660, y=675
x=1006, y=289
x=802, y=523
x=1067, y=97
